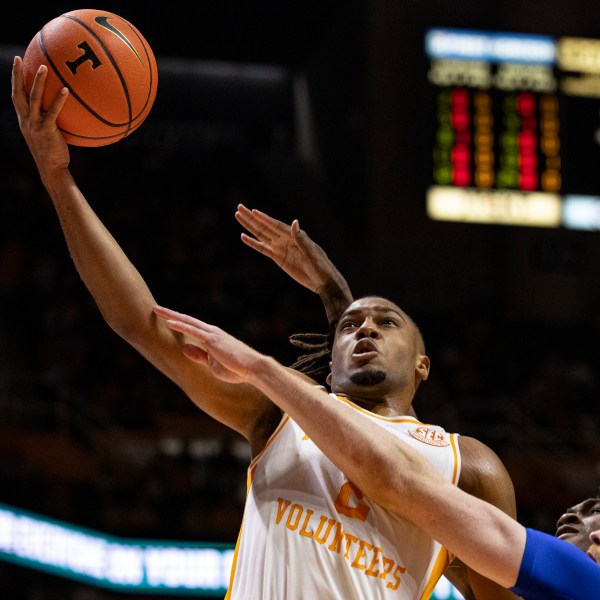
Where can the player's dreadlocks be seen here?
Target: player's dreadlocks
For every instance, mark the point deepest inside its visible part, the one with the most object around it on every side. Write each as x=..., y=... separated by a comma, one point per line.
x=317, y=348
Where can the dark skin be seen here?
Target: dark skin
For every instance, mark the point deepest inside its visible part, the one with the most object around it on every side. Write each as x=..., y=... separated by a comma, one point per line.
x=290, y=248
x=126, y=304
x=580, y=526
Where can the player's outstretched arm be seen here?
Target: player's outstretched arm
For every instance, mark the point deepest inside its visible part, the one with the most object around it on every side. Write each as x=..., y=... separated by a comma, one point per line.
x=117, y=287
x=299, y=256
x=388, y=470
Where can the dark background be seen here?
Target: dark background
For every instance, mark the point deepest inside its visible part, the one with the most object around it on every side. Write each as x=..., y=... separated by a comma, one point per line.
x=93, y=435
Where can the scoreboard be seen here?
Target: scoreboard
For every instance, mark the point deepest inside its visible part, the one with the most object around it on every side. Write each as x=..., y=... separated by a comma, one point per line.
x=516, y=128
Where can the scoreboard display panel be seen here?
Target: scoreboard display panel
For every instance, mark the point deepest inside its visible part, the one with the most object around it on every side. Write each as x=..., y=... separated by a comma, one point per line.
x=516, y=128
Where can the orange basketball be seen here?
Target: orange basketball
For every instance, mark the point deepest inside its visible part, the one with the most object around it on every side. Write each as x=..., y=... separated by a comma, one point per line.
x=107, y=65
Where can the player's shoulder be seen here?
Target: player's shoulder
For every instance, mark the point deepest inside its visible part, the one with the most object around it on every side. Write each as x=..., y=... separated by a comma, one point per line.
x=484, y=475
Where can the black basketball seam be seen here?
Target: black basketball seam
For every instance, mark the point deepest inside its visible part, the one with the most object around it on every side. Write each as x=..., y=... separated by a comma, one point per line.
x=145, y=45
x=115, y=66
x=130, y=130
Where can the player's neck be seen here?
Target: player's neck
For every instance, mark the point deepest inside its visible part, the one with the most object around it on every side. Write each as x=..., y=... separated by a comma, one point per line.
x=386, y=407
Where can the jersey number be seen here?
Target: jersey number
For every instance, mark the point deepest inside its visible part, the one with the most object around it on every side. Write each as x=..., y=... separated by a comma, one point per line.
x=358, y=510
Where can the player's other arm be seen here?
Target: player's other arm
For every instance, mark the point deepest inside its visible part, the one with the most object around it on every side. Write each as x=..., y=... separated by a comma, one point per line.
x=384, y=467
x=394, y=475
x=299, y=256
x=118, y=289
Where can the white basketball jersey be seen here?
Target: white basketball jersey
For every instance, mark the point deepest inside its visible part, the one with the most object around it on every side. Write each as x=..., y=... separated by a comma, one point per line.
x=309, y=534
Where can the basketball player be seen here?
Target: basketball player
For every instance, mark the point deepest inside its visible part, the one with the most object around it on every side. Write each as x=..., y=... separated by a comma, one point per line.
x=307, y=263
x=390, y=471
x=308, y=531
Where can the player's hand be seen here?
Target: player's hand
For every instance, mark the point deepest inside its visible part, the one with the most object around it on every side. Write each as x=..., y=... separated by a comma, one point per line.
x=226, y=357
x=38, y=127
x=291, y=248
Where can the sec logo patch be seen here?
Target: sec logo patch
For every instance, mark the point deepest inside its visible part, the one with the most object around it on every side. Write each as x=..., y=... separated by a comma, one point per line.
x=433, y=437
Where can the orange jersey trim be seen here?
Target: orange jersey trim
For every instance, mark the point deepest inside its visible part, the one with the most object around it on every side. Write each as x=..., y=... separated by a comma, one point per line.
x=441, y=564
x=399, y=419
x=251, y=470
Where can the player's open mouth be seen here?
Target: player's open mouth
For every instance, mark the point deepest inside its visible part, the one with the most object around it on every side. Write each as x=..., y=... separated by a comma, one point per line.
x=365, y=348
x=566, y=530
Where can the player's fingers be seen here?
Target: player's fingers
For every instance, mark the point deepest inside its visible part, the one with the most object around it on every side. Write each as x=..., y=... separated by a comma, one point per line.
x=244, y=218
x=243, y=209
x=300, y=238
x=195, y=353
x=303, y=240
x=248, y=221
x=270, y=223
x=257, y=245
x=201, y=336
x=19, y=95
x=173, y=315
x=295, y=228
x=57, y=104
x=242, y=214
x=261, y=224
x=163, y=311
x=37, y=90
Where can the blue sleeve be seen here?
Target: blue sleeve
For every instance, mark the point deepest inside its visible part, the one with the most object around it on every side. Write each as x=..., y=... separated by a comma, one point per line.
x=555, y=570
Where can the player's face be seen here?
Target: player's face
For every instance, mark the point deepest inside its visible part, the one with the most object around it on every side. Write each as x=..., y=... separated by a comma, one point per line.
x=580, y=526
x=374, y=350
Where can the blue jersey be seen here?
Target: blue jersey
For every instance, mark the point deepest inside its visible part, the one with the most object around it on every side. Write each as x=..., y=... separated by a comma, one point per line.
x=555, y=570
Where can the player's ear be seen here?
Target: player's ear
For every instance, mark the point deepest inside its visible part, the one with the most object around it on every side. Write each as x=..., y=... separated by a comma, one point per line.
x=422, y=367
x=328, y=380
